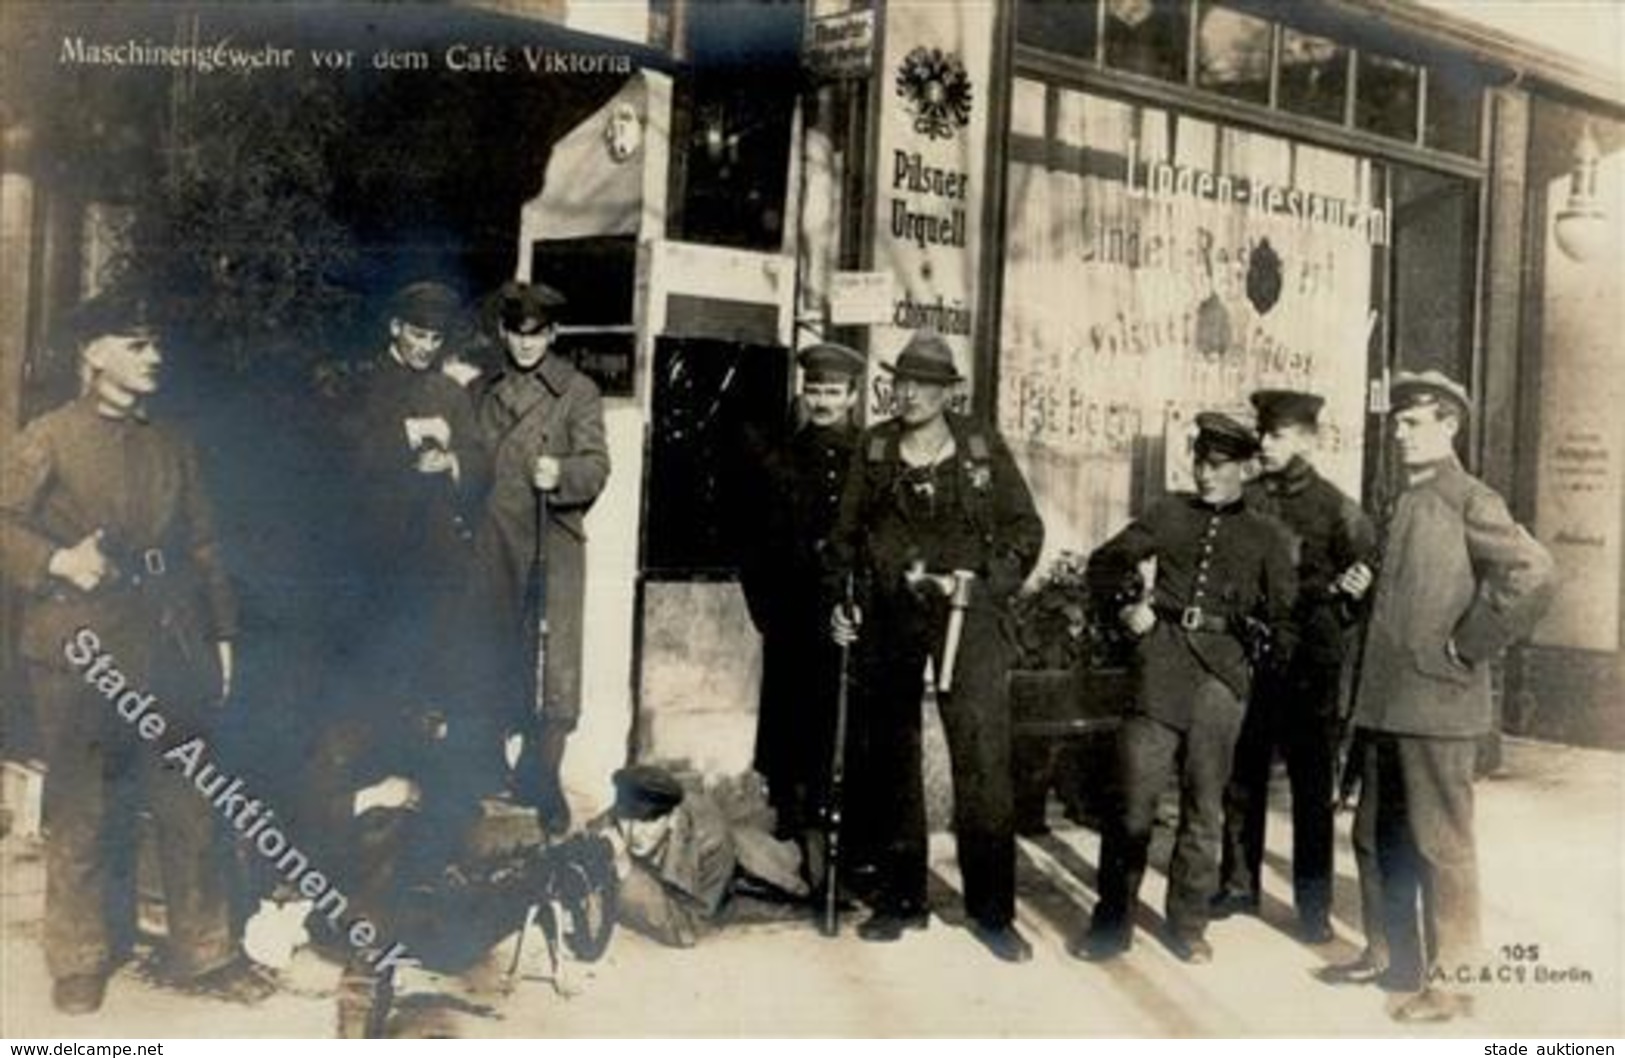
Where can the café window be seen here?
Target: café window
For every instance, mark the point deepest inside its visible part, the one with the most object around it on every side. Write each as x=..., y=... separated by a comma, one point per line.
x=1159, y=264
x=1314, y=76
x=1386, y=96
x=1234, y=54
x=1243, y=55
x=1147, y=37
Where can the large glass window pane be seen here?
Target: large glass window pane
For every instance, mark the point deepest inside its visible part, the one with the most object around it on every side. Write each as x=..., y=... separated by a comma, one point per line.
x=1066, y=26
x=1233, y=56
x=1454, y=110
x=1385, y=96
x=1314, y=75
x=1148, y=37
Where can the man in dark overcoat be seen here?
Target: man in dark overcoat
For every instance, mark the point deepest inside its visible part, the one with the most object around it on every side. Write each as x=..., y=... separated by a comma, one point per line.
x=420, y=472
x=1296, y=705
x=1460, y=580
x=931, y=495
x=107, y=532
x=543, y=426
x=1214, y=599
x=801, y=479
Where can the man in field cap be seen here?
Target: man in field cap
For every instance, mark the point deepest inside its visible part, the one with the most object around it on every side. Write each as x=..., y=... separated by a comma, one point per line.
x=106, y=529
x=542, y=424
x=1459, y=581
x=797, y=481
x=1295, y=705
x=936, y=521
x=1215, y=586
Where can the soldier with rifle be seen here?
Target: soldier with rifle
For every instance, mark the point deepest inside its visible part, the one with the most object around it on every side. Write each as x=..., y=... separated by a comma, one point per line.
x=543, y=426
x=936, y=520
x=798, y=482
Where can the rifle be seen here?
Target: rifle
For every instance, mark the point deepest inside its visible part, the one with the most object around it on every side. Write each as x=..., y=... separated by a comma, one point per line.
x=830, y=926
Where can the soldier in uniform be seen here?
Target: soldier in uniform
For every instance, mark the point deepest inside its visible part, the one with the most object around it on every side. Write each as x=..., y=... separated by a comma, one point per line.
x=782, y=576
x=929, y=494
x=543, y=426
x=107, y=532
x=1460, y=580
x=1216, y=585
x=1296, y=705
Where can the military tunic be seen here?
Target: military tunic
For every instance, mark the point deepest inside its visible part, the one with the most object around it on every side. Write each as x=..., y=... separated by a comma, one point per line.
x=971, y=511
x=1296, y=707
x=71, y=472
x=782, y=577
x=1218, y=570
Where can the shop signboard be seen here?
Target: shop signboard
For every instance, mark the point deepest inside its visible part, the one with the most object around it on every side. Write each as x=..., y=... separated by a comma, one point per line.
x=929, y=172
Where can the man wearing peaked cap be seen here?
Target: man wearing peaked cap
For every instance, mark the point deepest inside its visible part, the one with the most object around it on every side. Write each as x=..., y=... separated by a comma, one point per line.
x=427, y=304
x=1295, y=705
x=1460, y=580
x=542, y=423
x=1215, y=590
x=527, y=308
x=798, y=480
x=1429, y=388
x=933, y=497
x=106, y=529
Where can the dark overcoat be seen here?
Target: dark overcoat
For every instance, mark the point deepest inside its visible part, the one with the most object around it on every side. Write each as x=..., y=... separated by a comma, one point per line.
x=556, y=411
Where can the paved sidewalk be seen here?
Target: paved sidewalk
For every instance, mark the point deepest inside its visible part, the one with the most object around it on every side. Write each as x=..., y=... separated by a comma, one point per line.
x=1552, y=842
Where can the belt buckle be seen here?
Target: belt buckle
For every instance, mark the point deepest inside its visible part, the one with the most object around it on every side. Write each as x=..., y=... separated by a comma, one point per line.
x=153, y=560
x=1190, y=618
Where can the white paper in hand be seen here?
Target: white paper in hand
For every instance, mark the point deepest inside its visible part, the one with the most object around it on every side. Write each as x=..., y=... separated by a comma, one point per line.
x=428, y=428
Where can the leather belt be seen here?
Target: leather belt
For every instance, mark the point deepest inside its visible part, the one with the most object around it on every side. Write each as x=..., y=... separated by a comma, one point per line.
x=1194, y=619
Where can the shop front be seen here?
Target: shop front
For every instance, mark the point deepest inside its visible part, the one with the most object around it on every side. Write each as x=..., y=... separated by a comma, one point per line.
x=1121, y=212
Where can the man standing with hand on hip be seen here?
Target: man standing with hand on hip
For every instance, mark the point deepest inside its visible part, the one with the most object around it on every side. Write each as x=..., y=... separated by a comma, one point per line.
x=1460, y=582
x=106, y=531
x=1218, y=604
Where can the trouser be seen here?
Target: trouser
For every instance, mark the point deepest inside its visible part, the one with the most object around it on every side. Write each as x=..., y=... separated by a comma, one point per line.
x=976, y=720
x=99, y=774
x=1298, y=713
x=1150, y=753
x=795, y=727
x=1414, y=841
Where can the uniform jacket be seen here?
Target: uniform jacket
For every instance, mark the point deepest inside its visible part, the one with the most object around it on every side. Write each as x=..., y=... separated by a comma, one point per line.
x=799, y=484
x=1457, y=569
x=556, y=411
x=73, y=471
x=1330, y=533
x=796, y=486
x=871, y=541
x=1233, y=563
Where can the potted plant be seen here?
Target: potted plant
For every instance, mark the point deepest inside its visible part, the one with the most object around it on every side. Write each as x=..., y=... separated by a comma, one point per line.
x=1067, y=687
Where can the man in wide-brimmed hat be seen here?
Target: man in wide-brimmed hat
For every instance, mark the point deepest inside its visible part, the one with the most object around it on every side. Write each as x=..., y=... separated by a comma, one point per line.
x=931, y=495
x=542, y=422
